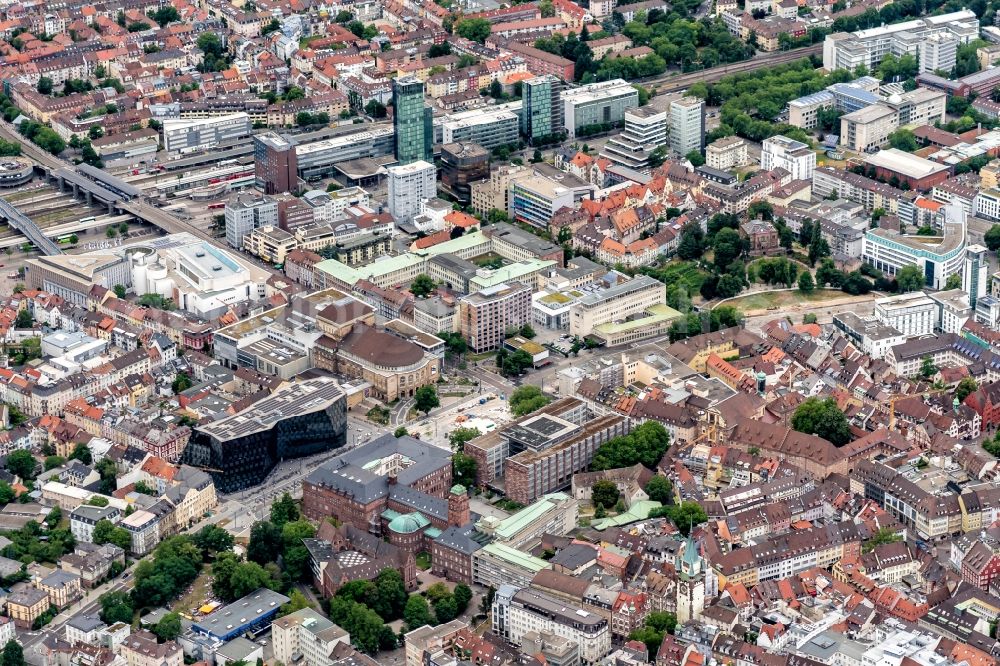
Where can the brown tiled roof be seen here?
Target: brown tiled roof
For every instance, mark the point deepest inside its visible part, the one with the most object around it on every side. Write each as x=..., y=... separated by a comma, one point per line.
x=381, y=348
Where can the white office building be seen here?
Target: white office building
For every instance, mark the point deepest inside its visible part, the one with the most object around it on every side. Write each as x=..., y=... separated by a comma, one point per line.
x=307, y=638
x=200, y=277
x=795, y=157
x=953, y=309
x=188, y=135
x=409, y=186
x=975, y=273
x=687, y=125
x=602, y=103
x=246, y=212
x=645, y=131
x=938, y=51
x=889, y=251
x=848, y=50
x=912, y=314
x=517, y=612
x=489, y=127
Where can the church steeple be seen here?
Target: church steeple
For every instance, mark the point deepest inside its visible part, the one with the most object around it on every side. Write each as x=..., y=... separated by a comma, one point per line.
x=691, y=558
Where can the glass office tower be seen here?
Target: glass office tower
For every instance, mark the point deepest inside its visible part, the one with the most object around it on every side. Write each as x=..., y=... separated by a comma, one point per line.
x=412, y=121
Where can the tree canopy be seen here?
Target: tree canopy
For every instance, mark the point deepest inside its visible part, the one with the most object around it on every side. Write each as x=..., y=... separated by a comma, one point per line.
x=476, y=29
x=426, y=398
x=527, y=399
x=646, y=444
x=823, y=418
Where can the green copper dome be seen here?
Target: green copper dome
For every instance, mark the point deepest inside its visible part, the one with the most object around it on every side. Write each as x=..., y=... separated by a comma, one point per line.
x=408, y=523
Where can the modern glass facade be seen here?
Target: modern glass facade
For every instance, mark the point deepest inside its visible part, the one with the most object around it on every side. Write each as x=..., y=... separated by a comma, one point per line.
x=240, y=462
x=412, y=121
x=542, y=113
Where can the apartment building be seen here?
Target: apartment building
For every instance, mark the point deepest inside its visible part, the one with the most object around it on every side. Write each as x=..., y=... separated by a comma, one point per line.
x=868, y=192
x=84, y=517
x=868, y=128
x=687, y=125
x=25, y=604
x=795, y=157
x=484, y=316
x=727, y=153
x=271, y=244
x=246, y=212
x=409, y=186
x=142, y=649
x=306, y=637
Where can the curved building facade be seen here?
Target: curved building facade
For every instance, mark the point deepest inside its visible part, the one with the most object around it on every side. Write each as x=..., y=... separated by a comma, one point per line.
x=295, y=421
x=15, y=171
x=937, y=257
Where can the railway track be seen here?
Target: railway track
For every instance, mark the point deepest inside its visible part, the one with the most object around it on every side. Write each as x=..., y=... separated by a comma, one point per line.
x=678, y=82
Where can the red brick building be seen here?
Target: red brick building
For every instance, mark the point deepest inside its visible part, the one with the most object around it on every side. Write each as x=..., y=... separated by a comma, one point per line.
x=980, y=566
x=400, y=474
x=986, y=402
x=542, y=62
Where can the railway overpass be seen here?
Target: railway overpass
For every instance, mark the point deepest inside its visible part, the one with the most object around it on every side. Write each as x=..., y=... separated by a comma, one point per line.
x=22, y=223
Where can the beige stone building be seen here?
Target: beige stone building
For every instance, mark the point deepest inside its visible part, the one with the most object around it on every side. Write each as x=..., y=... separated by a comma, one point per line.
x=393, y=366
x=26, y=604
x=192, y=494
x=615, y=303
x=727, y=153
x=62, y=587
x=494, y=191
x=485, y=315
x=270, y=244
x=869, y=127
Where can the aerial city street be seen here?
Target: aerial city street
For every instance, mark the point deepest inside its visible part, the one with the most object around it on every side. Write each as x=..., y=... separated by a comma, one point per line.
x=500, y=333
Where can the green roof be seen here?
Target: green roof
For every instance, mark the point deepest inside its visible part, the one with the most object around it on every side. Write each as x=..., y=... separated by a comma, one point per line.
x=638, y=511
x=463, y=242
x=510, y=273
x=515, y=557
x=339, y=271
x=408, y=523
x=510, y=527
x=556, y=297
x=458, y=489
x=349, y=275
x=655, y=314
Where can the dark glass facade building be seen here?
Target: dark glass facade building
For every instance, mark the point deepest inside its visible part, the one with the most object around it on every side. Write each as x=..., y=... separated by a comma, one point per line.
x=297, y=420
x=461, y=164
